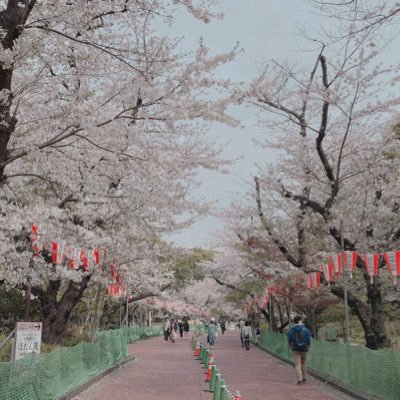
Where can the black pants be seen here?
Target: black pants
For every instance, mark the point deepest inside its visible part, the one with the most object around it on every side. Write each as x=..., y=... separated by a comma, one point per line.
x=166, y=335
x=247, y=343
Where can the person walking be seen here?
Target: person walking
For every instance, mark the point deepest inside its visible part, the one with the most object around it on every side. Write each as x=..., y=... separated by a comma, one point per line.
x=241, y=326
x=223, y=326
x=180, y=326
x=258, y=334
x=299, y=338
x=173, y=331
x=246, y=333
x=212, y=331
x=167, y=330
x=186, y=327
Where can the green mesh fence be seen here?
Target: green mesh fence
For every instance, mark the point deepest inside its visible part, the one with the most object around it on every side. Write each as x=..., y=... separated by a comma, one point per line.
x=369, y=371
x=197, y=330
x=49, y=376
x=135, y=332
x=327, y=333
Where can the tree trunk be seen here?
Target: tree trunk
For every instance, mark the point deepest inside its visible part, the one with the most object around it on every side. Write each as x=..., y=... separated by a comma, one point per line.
x=274, y=328
x=370, y=314
x=375, y=333
x=310, y=323
x=56, y=314
x=12, y=18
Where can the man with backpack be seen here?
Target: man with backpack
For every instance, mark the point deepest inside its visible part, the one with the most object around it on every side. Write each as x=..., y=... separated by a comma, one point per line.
x=300, y=341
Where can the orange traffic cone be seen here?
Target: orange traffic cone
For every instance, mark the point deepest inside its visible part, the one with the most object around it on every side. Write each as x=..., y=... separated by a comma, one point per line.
x=210, y=362
x=209, y=372
x=197, y=351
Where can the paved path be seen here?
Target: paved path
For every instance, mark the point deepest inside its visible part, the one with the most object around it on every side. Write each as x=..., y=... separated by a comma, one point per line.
x=160, y=371
x=260, y=376
x=166, y=371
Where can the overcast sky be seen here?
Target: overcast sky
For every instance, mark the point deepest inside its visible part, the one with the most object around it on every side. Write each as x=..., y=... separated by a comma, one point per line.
x=265, y=29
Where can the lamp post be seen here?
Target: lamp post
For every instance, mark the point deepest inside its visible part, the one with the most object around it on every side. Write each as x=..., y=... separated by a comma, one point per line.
x=270, y=313
x=346, y=308
x=127, y=307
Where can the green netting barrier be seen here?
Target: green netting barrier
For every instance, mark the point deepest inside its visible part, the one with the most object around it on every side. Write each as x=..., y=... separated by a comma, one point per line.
x=197, y=330
x=369, y=371
x=49, y=376
x=327, y=333
x=133, y=333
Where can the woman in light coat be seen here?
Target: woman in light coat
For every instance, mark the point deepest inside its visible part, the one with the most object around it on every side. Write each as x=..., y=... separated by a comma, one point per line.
x=247, y=333
x=212, y=330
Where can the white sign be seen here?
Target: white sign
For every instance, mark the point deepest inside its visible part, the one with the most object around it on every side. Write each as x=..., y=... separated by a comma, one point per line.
x=28, y=337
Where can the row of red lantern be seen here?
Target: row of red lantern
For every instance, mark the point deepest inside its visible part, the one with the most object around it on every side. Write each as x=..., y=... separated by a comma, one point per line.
x=276, y=289
x=334, y=269
x=261, y=300
x=78, y=258
x=117, y=290
x=60, y=252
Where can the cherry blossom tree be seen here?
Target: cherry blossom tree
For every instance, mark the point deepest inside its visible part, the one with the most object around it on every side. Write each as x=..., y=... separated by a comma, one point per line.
x=360, y=18
x=335, y=129
x=101, y=133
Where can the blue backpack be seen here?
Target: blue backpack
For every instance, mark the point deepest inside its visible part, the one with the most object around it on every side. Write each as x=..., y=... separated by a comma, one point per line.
x=299, y=341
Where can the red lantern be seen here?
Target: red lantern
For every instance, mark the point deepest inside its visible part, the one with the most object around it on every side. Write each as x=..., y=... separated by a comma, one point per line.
x=76, y=258
x=38, y=239
x=313, y=280
x=327, y=269
x=57, y=253
x=336, y=261
x=392, y=259
x=371, y=263
x=350, y=261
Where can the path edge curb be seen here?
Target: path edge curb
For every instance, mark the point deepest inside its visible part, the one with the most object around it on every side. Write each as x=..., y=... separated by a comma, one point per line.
x=87, y=384
x=324, y=379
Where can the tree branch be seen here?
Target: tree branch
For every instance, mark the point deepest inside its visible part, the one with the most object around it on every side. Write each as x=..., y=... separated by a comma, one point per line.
x=284, y=250
x=324, y=122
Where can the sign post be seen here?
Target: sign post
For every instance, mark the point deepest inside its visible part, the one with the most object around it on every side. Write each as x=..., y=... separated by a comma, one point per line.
x=28, y=337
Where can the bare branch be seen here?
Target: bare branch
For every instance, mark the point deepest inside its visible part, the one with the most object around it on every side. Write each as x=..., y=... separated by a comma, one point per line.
x=324, y=121
x=284, y=250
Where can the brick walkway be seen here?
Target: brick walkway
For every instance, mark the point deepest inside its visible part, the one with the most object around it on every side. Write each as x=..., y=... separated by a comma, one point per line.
x=160, y=371
x=260, y=376
x=169, y=372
